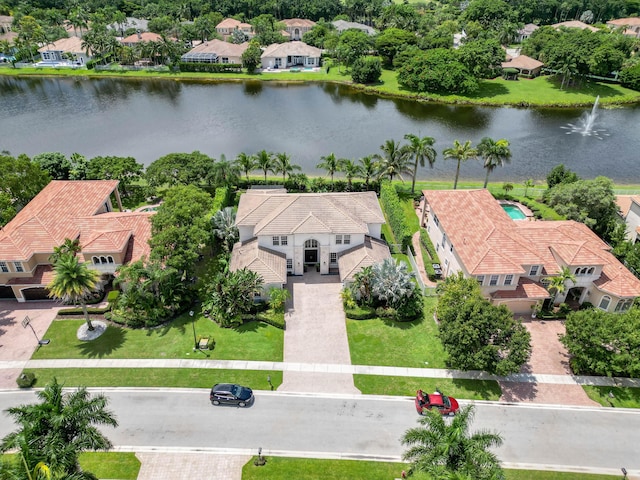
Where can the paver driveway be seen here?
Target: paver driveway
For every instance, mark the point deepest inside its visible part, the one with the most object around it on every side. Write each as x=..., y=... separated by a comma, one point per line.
x=316, y=333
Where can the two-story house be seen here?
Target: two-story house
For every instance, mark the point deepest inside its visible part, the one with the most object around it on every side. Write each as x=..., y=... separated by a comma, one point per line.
x=287, y=233
x=69, y=209
x=513, y=260
x=227, y=26
x=297, y=27
x=629, y=206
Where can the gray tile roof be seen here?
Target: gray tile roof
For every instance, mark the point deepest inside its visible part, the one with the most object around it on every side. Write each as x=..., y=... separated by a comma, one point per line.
x=355, y=259
x=270, y=265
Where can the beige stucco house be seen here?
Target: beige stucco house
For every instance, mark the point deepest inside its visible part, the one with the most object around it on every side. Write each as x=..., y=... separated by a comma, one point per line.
x=630, y=25
x=574, y=24
x=69, y=209
x=216, y=51
x=290, y=54
x=297, y=27
x=527, y=66
x=285, y=234
x=227, y=26
x=512, y=260
x=64, y=50
x=629, y=206
x=140, y=37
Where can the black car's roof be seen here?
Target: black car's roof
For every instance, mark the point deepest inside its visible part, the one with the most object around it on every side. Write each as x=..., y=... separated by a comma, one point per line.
x=223, y=387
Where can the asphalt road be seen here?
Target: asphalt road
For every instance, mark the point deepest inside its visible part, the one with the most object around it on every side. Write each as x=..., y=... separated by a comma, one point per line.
x=355, y=426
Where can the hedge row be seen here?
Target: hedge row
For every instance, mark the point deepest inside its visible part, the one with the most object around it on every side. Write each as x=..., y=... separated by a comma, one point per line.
x=432, y=256
x=271, y=321
x=395, y=214
x=221, y=199
x=210, y=67
x=111, y=298
x=360, y=313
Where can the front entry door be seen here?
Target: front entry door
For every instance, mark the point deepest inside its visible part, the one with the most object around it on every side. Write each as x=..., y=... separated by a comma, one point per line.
x=311, y=256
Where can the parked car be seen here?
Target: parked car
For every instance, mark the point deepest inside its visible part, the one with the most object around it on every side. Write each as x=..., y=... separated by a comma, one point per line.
x=231, y=394
x=427, y=401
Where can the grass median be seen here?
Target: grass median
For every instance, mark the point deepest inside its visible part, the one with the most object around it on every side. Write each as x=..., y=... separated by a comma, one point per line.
x=617, y=397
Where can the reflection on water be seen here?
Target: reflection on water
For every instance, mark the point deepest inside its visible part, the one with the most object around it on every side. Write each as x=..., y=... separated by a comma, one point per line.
x=252, y=88
x=340, y=93
x=463, y=118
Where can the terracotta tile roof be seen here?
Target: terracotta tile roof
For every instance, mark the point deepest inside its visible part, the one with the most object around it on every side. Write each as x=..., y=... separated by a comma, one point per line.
x=351, y=261
x=269, y=264
x=48, y=219
x=295, y=48
x=221, y=48
x=229, y=23
x=574, y=24
x=526, y=289
x=298, y=22
x=288, y=213
x=142, y=37
x=522, y=61
x=624, y=203
x=42, y=275
x=625, y=22
x=67, y=45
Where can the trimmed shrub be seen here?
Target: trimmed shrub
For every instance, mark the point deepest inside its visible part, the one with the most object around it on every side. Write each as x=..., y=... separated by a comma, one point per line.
x=360, y=313
x=210, y=67
x=26, y=380
x=366, y=70
x=113, y=295
x=78, y=311
x=281, y=324
x=395, y=214
x=221, y=199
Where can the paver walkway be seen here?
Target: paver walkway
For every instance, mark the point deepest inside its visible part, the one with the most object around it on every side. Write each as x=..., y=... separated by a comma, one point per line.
x=316, y=333
x=203, y=466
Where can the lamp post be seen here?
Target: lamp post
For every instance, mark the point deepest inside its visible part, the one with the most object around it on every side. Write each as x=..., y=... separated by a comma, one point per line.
x=193, y=325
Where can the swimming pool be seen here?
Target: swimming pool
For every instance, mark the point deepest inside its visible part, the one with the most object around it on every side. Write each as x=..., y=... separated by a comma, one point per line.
x=514, y=212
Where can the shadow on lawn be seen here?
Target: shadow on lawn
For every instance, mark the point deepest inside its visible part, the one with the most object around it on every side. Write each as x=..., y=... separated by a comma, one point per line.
x=107, y=343
x=402, y=325
x=487, y=390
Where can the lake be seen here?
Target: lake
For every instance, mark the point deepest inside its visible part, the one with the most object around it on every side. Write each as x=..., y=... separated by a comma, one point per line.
x=147, y=119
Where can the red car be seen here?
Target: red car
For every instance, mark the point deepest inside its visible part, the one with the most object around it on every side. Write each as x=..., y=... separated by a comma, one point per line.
x=427, y=401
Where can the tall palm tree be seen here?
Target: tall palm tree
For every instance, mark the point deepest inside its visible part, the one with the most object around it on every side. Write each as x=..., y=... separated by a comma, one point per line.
x=370, y=168
x=246, y=163
x=73, y=282
x=223, y=173
x=393, y=161
x=420, y=149
x=494, y=153
x=264, y=161
x=59, y=428
x=68, y=247
x=446, y=450
x=282, y=164
x=460, y=153
x=350, y=170
x=330, y=164
x=558, y=283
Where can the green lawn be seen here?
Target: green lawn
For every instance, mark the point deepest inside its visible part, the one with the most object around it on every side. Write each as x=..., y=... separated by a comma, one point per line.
x=407, y=386
x=251, y=341
x=111, y=465
x=397, y=344
x=314, y=469
x=156, y=377
x=622, y=397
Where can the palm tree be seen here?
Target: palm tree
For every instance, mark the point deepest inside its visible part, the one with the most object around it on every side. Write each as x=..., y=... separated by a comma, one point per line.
x=393, y=161
x=73, y=282
x=558, y=283
x=370, y=168
x=361, y=285
x=350, y=170
x=527, y=185
x=264, y=161
x=59, y=428
x=223, y=173
x=446, y=450
x=224, y=227
x=245, y=163
x=282, y=164
x=392, y=282
x=494, y=153
x=507, y=187
x=420, y=149
x=68, y=247
x=460, y=153
x=330, y=164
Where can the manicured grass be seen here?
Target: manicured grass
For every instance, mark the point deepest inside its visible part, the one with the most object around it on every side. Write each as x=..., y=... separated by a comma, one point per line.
x=120, y=465
x=407, y=386
x=251, y=341
x=622, y=397
x=315, y=469
x=156, y=377
x=397, y=344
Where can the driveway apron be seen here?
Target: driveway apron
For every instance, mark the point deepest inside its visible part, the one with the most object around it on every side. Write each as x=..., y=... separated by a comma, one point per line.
x=316, y=333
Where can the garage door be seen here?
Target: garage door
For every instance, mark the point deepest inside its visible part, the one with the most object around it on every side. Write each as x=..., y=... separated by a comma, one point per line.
x=6, y=292
x=36, y=293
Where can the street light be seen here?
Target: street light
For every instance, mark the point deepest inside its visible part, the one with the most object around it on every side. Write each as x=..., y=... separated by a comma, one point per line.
x=193, y=325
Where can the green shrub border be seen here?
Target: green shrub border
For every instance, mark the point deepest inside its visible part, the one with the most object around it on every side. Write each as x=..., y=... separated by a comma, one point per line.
x=360, y=313
x=210, y=67
x=221, y=199
x=395, y=214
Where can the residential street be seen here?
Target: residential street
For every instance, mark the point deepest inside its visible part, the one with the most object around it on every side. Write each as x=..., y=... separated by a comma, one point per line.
x=351, y=426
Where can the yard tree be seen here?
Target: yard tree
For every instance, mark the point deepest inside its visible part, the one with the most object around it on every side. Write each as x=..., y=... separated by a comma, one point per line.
x=205, y=25
x=124, y=169
x=350, y=169
x=630, y=76
x=393, y=161
x=558, y=283
x=79, y=167
x=251, y=57
x=370, y=168
x=489, y=13
x=602, y=343
x=21, y=180
x=399, y=15
x=282, y=164
x=231, y=294
x=561, y=174
x=68, y=247
x=352, y=45
x=476, y=334
x=460, y=152
x=264, y=162
x=366, y=69
x=246, y=163
x=179, y=169
x=73, y=282
x=421, y=149
x=482, y=57
x=447, y=450
x=267, y=29
x=57, y=429
x=223, y=173
x=391, y=41
x=331, y=164
x=55, y=164
x=392, y=285
x=494, y=153
x=316, y=36
x=181, y=227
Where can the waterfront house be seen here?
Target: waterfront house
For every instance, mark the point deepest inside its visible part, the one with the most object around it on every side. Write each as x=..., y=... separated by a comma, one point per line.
x=526, y=66
x=630, y=26
x=216, y=51
x=140, y=37
x=629, y=206
x=80, y=210
x=342, y=25
x=297, y=27
x=64, y=50
x=513, y=260
x=290, y=54
x=288, y=233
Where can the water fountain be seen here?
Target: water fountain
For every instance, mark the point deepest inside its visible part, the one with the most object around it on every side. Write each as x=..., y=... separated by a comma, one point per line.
x=587, y=122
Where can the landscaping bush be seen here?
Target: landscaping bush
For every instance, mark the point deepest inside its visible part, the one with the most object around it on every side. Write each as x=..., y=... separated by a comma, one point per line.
x=78, y=311
x=210, y=67
x=630, y=77
x=274, y=322
x=26, y=380
x=221, y=199
x=366, y=70
x=395, y=214
x=360, y=313
x=113, y=295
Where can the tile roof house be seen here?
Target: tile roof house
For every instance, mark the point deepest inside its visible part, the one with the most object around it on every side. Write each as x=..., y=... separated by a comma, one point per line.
x=574, y=24
x=526, y=31
x=226, y=27
x=64, y=49
x=631, y=25
x=69, y=209
x=297, y=27
x=342, y=25
x=525, y=65
x=136, y=38
x=290, y=54
x=629, y=206
x=5, y=23
x=284, y=233
x=512, y=260
x=216, y=51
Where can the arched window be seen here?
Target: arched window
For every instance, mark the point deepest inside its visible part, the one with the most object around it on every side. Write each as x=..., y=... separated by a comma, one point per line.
x=110, y=259
x=95, y=260
x=604, y=303
x=623, y=305
x=103, y=260
x=591, y=270
x=577, y=271
x=311, y=244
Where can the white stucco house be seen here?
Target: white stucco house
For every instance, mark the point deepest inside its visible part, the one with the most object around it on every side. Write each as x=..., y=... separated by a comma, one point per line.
x=290, y=54
x=629, y=206
x=64, y=50
x=285, y=234
x=297, y=27
x=216, y=51
x=512, y=260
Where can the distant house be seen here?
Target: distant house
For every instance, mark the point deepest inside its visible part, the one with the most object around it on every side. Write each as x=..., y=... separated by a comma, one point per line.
x=526, y=32
x=64, y=50
x=80, y=210
x=216, y=51
x=512, y=260
x=227, y=26
x=342, y=25
x=629, y=206
x=459, y=38
x=526, y=66
x=140, y=37
x=139, y=24
x=290, y=54
x=630, y=26
x=287, y=233
x=574, y=24
x=297, y=27
x=6, y=23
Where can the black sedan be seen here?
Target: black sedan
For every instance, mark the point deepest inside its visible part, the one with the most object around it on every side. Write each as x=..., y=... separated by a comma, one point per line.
x=231, y=394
